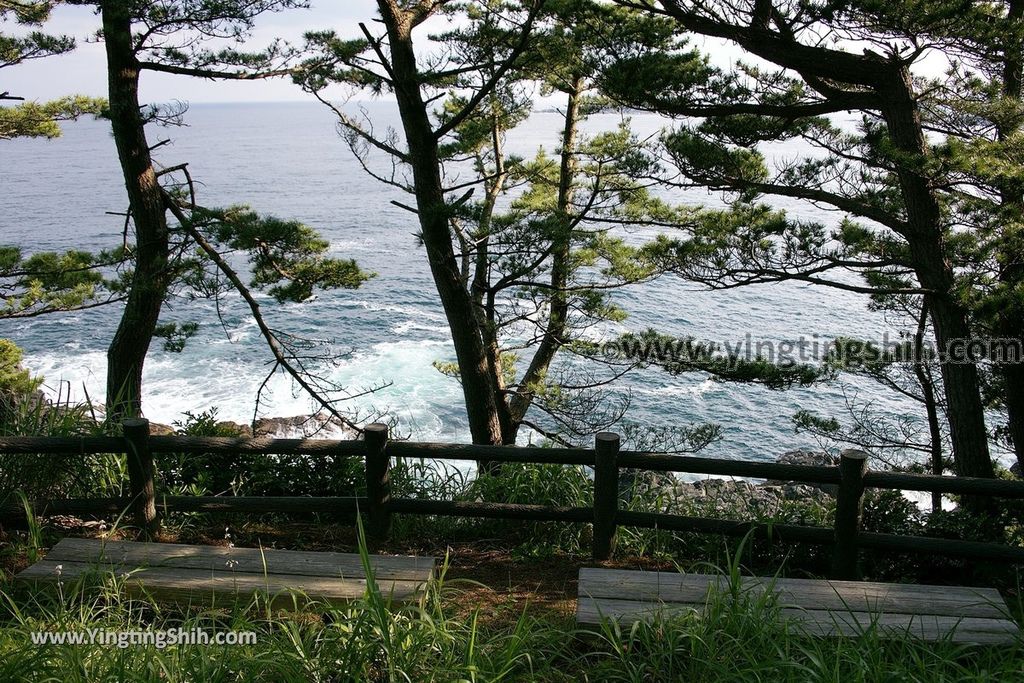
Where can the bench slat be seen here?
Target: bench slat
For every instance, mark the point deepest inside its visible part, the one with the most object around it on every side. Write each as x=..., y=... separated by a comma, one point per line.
x=828, y=595
x=822, y=622
x=238, y=560
x=205, y=586
x=818, y=607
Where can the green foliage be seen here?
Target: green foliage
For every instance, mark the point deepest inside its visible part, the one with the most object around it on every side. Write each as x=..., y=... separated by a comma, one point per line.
x=176, y=335
x=41, y=119
x=254, y=475
x=43, y=476
x=205, y=37
x=677, y=356
x=51, y=282
x=738, y=635
x=14, y=379
x=369, y=638
x=529, y=484
x=36, y=119
x=701, y=158
x=288, y=258
x=31, y=44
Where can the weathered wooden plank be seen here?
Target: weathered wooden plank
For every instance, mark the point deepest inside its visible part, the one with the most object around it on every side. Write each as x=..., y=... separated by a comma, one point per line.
x=948, y=547
x=71, y=446
x=831, y=595
x=256, y=446
x=662, y=462
x=924, y=626
x=728, y=527
x=472, y=508
x=202, y=586
x=1003, y=488
x=454, y=451
x=238, y=560
x=822, y=622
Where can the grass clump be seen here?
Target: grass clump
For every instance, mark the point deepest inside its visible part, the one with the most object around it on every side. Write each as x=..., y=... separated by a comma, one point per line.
x=738, y=636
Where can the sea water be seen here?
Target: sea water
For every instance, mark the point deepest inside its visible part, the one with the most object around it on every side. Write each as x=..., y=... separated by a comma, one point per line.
x=287, y=159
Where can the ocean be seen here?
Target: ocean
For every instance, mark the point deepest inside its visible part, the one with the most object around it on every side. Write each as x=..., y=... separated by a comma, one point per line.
x=287, y=159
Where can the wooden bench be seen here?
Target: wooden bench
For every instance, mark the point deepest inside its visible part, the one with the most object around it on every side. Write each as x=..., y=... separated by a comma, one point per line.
x=817, y=607
x=192, y=574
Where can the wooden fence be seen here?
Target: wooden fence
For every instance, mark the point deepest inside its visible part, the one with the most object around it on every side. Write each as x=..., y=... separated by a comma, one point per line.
x=850, y=478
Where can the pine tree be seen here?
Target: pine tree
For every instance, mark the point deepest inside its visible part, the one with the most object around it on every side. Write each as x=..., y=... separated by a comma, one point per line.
x=36, y=119
x=519, y=285
x=179, y=246
x=882, y=174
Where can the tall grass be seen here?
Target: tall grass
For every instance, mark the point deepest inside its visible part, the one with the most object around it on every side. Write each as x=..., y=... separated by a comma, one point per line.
x=46, y=476
x=736, y=637
x=371, y=638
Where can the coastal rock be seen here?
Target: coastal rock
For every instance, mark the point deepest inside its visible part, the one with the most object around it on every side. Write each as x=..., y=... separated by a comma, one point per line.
x=157, y=429
x=734, y=498
x=303, y=426
x=643, y=483
x=740, y=498
x=242, y=430
x=807, y=457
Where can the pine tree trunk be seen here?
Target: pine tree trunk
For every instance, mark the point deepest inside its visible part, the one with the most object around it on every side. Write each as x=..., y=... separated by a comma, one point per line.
x=127, y=352
x=924, y=378
x=928, y=254
x=1010, y=320
x=554, y=333
x=477, y=385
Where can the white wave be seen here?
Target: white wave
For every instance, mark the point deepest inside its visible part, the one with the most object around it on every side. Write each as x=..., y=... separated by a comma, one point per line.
x=203, y=378
x=409, y=326
x=410, y=311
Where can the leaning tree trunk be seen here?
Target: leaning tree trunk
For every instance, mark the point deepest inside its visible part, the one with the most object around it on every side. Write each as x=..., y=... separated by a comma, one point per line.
x=1009, y=322
x=470, y=351
x=931, y=407
x=890, y=82
x=554, y=333
x=127, y=352
x=925, y=239
x=1009, y=326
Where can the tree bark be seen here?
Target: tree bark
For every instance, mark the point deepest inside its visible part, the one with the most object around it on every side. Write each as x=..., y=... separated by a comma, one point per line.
x=1009, y=322
x=554, y=333
x=925, y=238
x=477, y=386
x=924, y=378
x=482, y=295
x=885, y=86
x=127, y=352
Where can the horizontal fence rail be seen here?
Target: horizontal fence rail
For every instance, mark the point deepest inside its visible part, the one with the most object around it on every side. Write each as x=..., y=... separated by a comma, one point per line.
x=850, y=479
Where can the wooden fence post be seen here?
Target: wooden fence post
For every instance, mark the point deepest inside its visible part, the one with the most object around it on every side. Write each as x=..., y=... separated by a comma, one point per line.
x=853, y=465
x=606, y=493
x=141, y=470
x=378, y=481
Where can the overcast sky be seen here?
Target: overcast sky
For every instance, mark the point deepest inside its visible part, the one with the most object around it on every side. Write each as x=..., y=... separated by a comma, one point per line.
x=82, y=71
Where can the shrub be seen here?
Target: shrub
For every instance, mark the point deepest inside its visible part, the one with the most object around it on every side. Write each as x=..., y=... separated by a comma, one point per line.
x=251, y=474
x=47, y=476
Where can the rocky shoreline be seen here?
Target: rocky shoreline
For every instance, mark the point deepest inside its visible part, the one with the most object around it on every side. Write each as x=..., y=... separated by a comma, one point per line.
x=732, y=496
x=294, y=427
x=714, y=494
